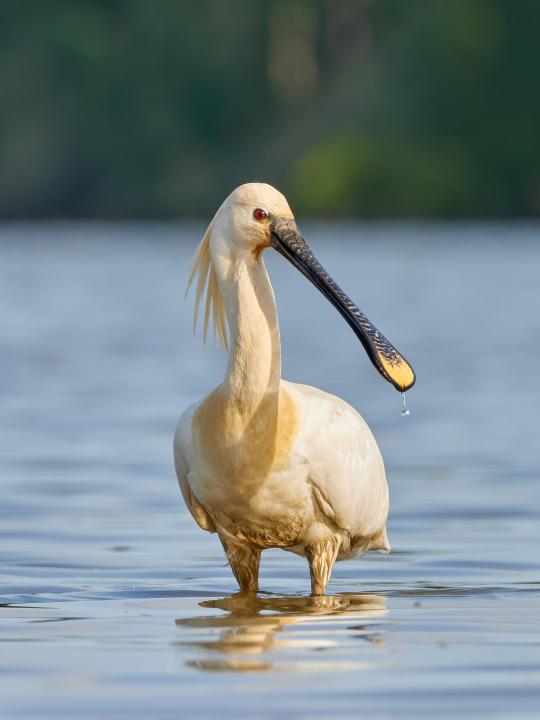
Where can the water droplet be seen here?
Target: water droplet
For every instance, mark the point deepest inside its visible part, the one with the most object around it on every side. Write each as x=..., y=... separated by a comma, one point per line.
x=405, y=410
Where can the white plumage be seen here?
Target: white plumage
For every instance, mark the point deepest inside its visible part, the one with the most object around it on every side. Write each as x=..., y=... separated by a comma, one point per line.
x=261, y=461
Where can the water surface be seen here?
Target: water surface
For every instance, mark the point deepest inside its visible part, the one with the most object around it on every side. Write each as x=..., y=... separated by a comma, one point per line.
x=114, y=604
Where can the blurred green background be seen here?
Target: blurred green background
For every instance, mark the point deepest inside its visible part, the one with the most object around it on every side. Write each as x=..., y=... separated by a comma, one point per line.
x=388, y=108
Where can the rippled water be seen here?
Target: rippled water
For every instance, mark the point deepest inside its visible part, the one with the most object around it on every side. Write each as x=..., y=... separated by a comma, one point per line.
x=115, y=605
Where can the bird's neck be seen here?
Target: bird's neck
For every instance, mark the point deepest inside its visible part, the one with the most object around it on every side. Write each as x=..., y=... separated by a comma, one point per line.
x=254, y=369
x=246, y=427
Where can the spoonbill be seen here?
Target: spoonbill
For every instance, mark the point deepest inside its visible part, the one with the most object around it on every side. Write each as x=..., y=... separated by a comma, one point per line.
x=261, y=461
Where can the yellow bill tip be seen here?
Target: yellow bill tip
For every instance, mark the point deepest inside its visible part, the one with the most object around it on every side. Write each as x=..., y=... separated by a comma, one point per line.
x=398, y=372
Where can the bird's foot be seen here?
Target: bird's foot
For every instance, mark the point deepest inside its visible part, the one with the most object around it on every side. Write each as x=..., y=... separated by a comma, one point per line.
x=244, y=562
x=321, y=557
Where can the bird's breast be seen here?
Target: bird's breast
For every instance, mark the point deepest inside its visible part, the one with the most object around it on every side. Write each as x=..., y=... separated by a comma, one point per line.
x=245, y=442
x=243, y=469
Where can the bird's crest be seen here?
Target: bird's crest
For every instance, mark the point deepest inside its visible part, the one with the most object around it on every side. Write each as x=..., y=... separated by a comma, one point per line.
x=207, y=283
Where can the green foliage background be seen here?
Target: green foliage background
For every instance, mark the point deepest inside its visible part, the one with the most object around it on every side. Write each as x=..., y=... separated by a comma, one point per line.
x=372, y=108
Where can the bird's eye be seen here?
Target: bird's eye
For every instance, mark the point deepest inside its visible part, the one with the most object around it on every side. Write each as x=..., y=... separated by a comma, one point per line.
x=260, y=214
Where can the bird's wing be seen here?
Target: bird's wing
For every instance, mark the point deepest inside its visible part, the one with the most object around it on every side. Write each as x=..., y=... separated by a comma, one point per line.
x=201, y=517
x=346, y=470
x=183, y=434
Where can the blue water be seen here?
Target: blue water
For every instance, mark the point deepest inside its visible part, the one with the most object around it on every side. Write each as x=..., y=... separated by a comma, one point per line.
x=115, y=605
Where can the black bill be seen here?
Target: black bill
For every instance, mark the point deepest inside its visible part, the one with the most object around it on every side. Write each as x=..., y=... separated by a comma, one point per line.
x=286, y=239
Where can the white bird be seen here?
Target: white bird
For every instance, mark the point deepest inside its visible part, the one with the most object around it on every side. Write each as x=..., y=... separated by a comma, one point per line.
x=262, y=461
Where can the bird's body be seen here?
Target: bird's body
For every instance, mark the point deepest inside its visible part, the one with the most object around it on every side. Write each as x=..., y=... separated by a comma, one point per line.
x=261, y=461
x=294, y=490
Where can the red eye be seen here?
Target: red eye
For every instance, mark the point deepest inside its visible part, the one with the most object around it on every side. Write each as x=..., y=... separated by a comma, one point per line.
x=260, y=214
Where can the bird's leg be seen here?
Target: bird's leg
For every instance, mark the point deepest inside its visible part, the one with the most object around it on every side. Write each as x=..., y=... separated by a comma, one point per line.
x=244, y=562
x=321, y=557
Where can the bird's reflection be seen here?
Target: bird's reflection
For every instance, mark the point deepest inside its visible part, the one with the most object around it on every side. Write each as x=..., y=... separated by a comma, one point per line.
x=253, y=625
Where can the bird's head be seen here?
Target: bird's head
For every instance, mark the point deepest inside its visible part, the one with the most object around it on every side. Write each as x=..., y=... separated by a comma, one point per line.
x=244, y=221
x=256, y=216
